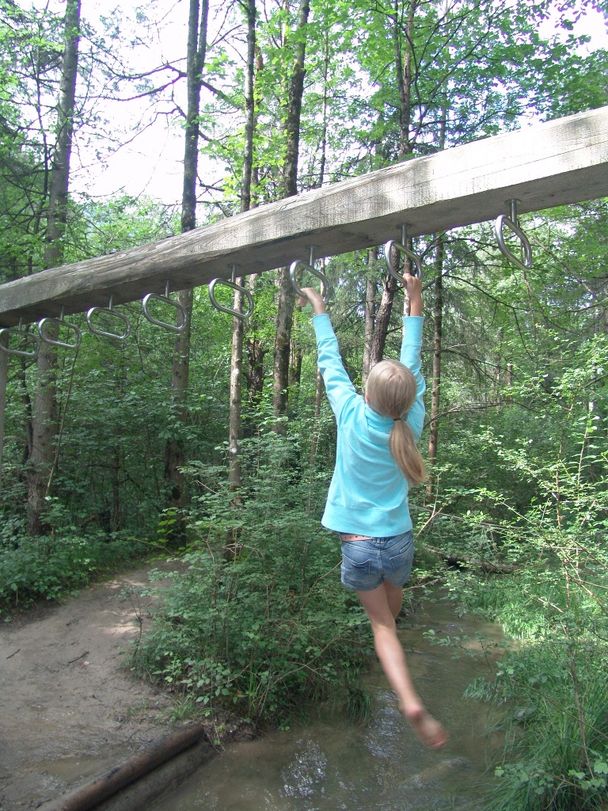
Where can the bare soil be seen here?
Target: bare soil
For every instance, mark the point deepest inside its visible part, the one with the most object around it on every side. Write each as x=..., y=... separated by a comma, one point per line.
x=69, y=706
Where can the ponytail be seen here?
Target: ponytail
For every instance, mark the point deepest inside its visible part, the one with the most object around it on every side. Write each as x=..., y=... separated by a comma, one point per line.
x=391, y=390
x=405, y=452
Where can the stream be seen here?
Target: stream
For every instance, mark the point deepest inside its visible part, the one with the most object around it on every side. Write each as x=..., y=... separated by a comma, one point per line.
x=330, y=763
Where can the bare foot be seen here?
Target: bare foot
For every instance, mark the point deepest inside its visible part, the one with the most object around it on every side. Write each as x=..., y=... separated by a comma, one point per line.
x=428, y=729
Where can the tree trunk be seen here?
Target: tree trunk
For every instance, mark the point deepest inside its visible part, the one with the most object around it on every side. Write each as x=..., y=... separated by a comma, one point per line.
x=255, y=375
x=383, y=317
x=286, y=297
x=174, y=449
x=437, y=337
x=250, y=111
x=238, y=327
x=370, y=313
x=44, y=414
x=403, y=70
x=437, y=348
x=3, y=384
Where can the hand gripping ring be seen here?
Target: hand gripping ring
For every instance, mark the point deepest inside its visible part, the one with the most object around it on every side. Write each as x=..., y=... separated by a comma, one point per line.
x=300, y=266
x=234, y=286
x=391, y=245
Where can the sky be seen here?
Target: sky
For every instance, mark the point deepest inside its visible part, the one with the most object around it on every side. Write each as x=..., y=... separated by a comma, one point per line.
x=151, y=164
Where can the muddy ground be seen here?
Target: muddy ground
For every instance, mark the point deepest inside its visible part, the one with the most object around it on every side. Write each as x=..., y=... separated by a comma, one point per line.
x=69, y=707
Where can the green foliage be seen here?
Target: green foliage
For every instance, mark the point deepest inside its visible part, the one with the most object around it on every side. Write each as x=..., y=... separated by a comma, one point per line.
x=553, y=680
x=48, y=568
x=259, y=623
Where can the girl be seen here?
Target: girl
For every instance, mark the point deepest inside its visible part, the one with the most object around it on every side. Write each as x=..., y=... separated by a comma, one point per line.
x=367, y=503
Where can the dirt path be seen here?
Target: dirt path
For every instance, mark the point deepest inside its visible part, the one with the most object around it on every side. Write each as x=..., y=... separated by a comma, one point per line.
x=68, y=708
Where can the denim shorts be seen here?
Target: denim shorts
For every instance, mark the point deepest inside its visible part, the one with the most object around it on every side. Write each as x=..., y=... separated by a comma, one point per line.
x=367, y=564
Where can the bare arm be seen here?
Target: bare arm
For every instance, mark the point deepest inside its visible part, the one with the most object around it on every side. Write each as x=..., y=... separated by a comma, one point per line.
x=311, y=295
x=413, y=288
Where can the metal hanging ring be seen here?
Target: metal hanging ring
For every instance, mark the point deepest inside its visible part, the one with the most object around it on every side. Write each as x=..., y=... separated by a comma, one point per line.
x=103, y=333
x=393, y=245
x=503, y=221
x=44, y=322
x=243, y=316
x=30, y=337
x=179, y=310
x=302, y=267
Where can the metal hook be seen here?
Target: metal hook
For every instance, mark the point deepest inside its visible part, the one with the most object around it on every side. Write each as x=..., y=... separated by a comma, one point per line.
x=44, y=322
x=109, y=311
x=25, y=338
x=301, y=266
x=179, y=310
x=512, y=223
x=243, y=316
x=399, y=247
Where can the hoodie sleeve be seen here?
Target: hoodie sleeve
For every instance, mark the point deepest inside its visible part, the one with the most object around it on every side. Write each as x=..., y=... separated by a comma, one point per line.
x=410, y=356
x=338, y=386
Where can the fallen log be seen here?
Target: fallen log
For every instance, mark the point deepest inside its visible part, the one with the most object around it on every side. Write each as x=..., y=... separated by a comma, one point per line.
x=92, y=794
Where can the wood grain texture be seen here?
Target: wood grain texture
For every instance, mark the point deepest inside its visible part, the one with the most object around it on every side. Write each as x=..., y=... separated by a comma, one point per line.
x=545, y=165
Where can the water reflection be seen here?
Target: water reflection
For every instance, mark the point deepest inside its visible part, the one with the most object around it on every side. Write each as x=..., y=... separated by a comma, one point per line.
x=331, y=764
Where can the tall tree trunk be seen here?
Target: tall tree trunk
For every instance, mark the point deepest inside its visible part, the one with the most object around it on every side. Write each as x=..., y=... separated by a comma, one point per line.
x=198, y=16
x=437, y=335
x=286, y=297
x=3, y=385
x=402, y=41
x=255, y=374
x=44, y=415
x=238, y=327
x=383, y=317
x=403, y=71
x=437, y=349
x=370, y=313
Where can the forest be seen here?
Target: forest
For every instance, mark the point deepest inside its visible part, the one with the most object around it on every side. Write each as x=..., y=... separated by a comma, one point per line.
x=215, y=444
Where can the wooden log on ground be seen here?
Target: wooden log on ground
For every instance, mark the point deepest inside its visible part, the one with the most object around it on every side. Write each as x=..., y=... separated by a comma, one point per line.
x=544, y=165
x=106, y=785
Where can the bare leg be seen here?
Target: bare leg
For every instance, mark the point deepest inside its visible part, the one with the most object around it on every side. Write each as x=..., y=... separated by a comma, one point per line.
x=392, y=658
x=394, y=595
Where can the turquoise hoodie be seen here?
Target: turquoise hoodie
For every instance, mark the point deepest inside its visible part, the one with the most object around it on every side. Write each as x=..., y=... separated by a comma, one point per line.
x=368, y=494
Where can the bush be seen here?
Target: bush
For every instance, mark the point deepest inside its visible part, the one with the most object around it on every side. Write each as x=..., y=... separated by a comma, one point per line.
x=47, y=568
x=267, y=628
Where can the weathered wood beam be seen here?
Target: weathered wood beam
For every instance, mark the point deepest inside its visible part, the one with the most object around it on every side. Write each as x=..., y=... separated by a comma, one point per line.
x=545, y=165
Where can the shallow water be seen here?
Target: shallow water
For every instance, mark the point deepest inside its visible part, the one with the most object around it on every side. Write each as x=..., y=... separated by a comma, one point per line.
x=332, y=764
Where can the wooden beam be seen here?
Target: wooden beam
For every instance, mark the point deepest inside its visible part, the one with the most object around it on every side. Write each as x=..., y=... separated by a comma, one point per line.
x=545, y=165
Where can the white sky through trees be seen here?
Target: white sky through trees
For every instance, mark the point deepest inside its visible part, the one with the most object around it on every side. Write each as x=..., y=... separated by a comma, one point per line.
x=150, y=163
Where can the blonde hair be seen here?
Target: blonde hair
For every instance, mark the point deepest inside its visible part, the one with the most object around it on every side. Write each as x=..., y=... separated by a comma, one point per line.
x=390, y=390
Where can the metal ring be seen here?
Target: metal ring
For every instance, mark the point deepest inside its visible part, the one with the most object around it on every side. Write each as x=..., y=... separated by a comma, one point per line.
x=21, y=353
x=234, y=286
x=388, y=248
x=55, y=341
x=299, y=265
x=102, y=333
x=165, y=324
x=500, y=223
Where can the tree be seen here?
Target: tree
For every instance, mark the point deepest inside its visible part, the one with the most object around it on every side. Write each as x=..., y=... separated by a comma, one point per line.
x=238, y=327
x=44, y=415
x=291, y=127
x=196, y=55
